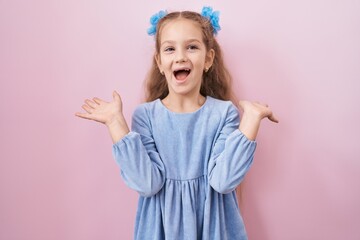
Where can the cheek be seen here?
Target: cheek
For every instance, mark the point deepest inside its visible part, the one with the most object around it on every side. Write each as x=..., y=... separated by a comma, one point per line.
x=199, y=64
x=166, y=62
x=201, y=60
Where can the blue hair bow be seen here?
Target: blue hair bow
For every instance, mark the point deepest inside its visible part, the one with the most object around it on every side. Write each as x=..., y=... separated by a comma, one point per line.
x=213, y=17
x=154, y=21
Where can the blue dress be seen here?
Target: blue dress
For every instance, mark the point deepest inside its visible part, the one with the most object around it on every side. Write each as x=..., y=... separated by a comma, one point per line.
x=185, y=167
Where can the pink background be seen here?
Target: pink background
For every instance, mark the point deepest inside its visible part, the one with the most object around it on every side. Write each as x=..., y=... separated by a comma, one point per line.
x=58, y=179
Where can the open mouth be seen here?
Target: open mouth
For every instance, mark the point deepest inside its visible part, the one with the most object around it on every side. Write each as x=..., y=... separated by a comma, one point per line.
x=181, y=74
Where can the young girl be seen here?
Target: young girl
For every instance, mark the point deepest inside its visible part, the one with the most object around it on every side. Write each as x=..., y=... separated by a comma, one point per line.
x=187, y=150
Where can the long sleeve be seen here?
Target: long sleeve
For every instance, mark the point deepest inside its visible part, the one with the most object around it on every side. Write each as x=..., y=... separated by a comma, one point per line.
x=231, y=156
x=141, y=166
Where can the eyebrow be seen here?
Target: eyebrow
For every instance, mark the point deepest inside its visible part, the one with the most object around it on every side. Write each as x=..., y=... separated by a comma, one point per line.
x=187, y=41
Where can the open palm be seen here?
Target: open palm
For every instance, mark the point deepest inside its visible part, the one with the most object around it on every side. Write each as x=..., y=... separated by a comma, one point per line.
x=102, y=111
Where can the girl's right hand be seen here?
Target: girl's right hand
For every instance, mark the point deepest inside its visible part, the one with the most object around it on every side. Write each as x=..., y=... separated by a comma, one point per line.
x=108, y=113
x=102, y=111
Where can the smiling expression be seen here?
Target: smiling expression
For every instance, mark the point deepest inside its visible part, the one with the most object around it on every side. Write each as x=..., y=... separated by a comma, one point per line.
x=183, y=56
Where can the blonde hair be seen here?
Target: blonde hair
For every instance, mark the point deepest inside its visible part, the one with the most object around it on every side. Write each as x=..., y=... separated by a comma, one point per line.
x=216, y=81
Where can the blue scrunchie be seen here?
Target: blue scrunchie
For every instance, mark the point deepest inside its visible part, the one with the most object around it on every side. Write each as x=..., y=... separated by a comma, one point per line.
x=154, y=21
x=206, y=12
x=213, y=17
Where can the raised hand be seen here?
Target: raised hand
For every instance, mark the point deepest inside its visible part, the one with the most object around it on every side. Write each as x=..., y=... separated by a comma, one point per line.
x=108, y=113
x=258, y=110
x=102, y=111
x=253, y=113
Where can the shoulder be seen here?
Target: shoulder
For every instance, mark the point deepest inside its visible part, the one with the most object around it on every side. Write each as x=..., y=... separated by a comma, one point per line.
x=145, y=108
x=222, y=106
x=225, y=112
x=142, y=115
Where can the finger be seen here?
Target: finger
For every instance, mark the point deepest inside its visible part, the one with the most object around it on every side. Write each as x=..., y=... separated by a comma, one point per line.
x=87, y=108
x=116, y=96
x=82, y=115
x=273, y=118
x=90, y=103
x=261, y=104
x=98, y=100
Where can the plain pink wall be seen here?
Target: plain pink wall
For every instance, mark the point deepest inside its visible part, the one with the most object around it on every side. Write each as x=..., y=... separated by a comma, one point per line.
x=58, y=179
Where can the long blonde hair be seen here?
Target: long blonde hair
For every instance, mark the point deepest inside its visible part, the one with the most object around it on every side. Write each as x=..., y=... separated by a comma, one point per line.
x=216, y=81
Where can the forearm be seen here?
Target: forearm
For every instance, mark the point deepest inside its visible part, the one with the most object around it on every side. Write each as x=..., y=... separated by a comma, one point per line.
x=118, y=128
x=141, y=168
x=227, y=169
x=249, y=126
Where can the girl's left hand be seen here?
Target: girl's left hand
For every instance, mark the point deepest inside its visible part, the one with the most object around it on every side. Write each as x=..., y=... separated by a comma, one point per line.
x=253, y=113
x=257, y=110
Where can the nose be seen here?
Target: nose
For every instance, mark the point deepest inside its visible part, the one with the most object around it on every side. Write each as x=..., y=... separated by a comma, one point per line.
x=180, y=57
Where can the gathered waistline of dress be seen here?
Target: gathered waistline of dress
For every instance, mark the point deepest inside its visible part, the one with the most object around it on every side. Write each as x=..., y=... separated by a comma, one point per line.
x=186, y=180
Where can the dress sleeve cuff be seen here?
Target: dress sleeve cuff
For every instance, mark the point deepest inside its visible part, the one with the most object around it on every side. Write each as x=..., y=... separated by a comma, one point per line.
x=237, y=132
x=128, y=137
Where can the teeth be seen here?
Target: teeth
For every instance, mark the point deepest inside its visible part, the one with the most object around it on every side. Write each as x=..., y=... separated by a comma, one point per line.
x=185, y=69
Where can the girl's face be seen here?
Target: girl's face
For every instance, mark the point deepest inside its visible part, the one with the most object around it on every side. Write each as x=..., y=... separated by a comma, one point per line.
x=183, y=56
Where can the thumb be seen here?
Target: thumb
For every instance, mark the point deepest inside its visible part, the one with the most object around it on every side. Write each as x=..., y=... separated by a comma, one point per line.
x=241, y=105
x=116, y=96
x=273, y=118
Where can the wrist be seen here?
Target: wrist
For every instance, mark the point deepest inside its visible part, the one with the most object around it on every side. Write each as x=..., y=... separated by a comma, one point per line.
x=116, y=120
x=252, y=115
x=249, y=125
x=118, y=128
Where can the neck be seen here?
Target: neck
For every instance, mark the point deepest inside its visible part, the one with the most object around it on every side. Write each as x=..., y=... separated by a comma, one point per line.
x=183, y=104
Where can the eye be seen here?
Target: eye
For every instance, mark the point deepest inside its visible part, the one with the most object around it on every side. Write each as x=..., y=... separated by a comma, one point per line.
x=169, y=49
x=192, y=47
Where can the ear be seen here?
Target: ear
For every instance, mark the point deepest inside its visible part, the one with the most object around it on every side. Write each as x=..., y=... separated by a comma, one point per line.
x=209, y=59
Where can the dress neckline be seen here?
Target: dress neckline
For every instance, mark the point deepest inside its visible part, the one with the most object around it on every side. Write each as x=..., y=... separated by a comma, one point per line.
x=184, y=113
